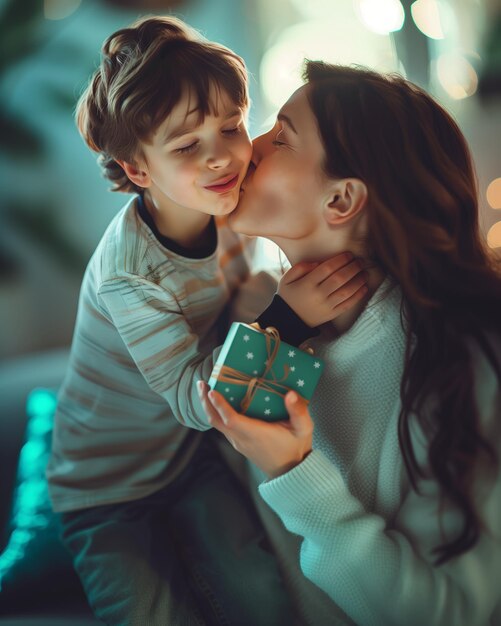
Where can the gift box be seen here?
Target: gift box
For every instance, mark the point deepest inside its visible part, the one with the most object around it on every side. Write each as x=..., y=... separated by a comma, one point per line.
x=255, y=369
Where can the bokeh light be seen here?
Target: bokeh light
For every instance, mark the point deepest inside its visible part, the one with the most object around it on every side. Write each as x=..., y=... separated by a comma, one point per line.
x=345, y=41
x=432, y=17
x=494, y=194
x=381, y=16
x=494, y=236
x=318, y=8
x=456, y=75
x=59, y=9
x=41, y=402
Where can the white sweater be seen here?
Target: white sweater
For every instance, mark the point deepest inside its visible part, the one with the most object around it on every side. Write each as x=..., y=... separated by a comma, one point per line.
x=366, y=535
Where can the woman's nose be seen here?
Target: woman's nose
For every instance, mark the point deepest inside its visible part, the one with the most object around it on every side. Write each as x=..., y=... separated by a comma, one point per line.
x=261, y=146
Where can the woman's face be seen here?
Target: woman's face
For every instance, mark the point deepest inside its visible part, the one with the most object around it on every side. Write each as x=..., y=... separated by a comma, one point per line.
x=284, y=195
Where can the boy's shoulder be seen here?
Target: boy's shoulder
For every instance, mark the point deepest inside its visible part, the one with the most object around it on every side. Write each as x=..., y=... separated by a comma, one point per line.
x=123, y=246
x=128, y=248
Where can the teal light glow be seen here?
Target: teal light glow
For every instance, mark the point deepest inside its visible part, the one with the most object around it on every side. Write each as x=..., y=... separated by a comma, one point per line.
x=30, y=494
x=41, y=402
x=31, y=510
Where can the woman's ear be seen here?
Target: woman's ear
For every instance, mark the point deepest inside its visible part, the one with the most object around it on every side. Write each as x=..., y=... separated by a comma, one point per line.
x=137, y=174
x=347, y=198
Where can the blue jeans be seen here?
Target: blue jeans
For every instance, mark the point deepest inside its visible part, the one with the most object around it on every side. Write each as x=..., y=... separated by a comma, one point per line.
x=193, y=553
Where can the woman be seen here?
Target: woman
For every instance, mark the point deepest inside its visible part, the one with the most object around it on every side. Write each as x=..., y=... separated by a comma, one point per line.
x=393, y=486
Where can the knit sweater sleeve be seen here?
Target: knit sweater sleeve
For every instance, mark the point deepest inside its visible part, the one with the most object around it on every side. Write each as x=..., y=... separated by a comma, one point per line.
x=381, y=571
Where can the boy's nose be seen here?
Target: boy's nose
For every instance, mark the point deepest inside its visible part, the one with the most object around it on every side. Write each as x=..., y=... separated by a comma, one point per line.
x=219, y=157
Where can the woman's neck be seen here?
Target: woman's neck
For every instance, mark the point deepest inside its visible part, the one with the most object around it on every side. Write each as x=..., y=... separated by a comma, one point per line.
x=296, y=253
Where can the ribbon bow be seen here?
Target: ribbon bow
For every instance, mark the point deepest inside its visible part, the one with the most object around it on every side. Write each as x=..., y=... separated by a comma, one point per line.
x=227, y=374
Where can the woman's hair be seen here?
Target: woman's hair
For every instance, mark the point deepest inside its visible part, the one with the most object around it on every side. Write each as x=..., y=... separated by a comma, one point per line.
x=143, y=74
x=423, y=232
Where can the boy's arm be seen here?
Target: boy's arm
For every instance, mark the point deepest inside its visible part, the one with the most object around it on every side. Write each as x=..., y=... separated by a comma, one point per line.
x=252, y=297
x=248, y=305
x=164, y=347
x=291, y=327
x=308, y=295
x=167, y=351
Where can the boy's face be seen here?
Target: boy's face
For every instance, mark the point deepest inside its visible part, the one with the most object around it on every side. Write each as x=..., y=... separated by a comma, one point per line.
x=195, y=165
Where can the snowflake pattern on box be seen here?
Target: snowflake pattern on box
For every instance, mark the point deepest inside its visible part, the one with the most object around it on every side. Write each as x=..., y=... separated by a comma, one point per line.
x=245, y=350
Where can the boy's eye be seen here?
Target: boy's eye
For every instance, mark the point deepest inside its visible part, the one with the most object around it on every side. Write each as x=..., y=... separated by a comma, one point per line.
x=232, y=131
x=186, y=149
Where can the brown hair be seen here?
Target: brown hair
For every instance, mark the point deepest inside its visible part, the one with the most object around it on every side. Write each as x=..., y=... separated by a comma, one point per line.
x=143, y=72
x=423, y=232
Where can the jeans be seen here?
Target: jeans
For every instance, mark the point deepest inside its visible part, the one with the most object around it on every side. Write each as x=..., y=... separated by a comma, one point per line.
x=192, y=553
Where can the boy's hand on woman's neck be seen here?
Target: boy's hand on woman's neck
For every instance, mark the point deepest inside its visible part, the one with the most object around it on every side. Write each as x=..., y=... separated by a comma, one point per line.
x=345, y=321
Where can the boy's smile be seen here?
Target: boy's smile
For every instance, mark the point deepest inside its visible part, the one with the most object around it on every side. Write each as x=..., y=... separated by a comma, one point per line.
x=224, y=184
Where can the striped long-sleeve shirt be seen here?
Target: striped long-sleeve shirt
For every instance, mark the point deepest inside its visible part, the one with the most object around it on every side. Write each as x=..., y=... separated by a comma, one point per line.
x=145, y=330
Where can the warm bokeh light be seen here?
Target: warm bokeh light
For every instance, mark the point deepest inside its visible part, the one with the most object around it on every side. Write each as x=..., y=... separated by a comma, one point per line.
x=344, y=41
x=494, y=236
x=494, y=194
x=456, y=75
x=381, y=16
x=433, y=18
x=316, y=8
x=269, y=257
x=59, y=9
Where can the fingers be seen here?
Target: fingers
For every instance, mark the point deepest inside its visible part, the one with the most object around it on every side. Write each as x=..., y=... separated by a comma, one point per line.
x=330, y=274
x=300, y=419
x=332, y=267
x=344, y=283
x=298, y=271
x=215, y=419
x=220, y=412
x=342, y=301
x=341, y=278
x=221, y=406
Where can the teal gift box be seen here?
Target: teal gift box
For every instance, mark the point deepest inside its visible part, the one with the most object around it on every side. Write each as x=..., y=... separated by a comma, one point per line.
x=255, y=370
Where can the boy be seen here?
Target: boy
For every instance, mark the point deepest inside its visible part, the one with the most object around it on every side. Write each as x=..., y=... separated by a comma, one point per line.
x=158, y=530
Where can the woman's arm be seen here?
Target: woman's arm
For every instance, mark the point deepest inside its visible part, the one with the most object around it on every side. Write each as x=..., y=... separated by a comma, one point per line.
x=377, y=572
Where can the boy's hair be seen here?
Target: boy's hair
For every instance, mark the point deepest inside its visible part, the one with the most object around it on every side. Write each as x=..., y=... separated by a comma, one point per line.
x=143, y=73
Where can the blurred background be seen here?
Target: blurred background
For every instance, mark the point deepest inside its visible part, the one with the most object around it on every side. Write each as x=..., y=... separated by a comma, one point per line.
x=54, y=203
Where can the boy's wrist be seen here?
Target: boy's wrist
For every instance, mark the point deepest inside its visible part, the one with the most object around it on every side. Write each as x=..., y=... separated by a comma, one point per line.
x=292, y=328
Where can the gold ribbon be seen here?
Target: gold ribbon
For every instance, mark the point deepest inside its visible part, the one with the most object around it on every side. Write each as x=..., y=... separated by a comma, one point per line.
x=226, y=374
